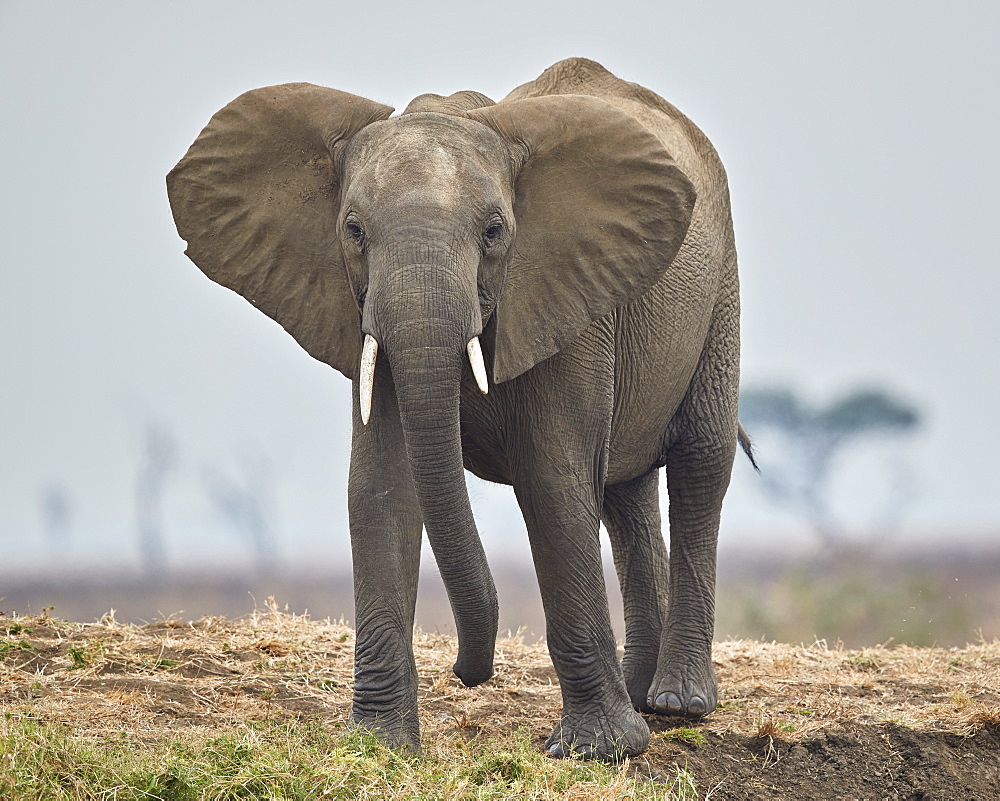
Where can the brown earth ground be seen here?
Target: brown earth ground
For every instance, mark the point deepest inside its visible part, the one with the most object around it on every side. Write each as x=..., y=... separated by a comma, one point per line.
x=794, y=721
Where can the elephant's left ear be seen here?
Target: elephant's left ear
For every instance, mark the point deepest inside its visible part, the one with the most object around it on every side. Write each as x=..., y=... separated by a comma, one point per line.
x=601, y=209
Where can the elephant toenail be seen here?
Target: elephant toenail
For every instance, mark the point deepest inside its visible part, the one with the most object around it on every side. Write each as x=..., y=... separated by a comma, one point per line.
x=669, y=703
x=696, y=707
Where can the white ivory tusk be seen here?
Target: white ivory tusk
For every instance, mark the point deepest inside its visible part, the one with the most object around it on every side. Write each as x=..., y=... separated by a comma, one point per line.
x=478, y=367
x=368, y=354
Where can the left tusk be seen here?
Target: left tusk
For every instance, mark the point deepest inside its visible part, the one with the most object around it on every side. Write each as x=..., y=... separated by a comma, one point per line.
x=367, y=378
x=478, y=367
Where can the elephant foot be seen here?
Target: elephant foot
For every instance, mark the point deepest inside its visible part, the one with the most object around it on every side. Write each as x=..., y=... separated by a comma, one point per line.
x=399, y=731
x=609, y=737
x=685, y=691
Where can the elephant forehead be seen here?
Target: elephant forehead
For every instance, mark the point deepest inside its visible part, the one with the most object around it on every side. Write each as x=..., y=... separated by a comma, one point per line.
x=426, y=158
x=429, y=176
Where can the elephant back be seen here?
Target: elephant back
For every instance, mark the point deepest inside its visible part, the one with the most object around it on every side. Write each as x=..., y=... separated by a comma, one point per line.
x=456, y=104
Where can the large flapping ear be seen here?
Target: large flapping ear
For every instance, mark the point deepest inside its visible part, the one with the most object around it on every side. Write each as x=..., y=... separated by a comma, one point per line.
x=256, y=197
x=601, y=209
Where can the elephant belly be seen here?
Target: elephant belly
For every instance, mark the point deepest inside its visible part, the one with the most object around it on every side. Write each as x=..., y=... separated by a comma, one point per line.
x=661, y=339
x=639, y=432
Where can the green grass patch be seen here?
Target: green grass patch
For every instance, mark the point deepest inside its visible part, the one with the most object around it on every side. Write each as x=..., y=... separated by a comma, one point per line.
x=864, y=662
x=685, y=735
x=14, y=628
x=298, y=760
x=9, y=646
x=84, y=655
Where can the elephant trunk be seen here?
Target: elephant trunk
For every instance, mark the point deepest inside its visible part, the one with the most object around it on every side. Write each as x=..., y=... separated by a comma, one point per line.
x=426, y=345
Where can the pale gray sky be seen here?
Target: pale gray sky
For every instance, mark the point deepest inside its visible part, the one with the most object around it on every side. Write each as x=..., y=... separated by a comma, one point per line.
x=860, y=141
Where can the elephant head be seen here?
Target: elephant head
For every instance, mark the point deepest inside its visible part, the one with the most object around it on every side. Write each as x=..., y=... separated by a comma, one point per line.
x=404, y=237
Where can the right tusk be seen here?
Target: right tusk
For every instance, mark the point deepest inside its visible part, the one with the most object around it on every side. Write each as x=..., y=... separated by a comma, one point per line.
x=368, y=354
x=478, y=367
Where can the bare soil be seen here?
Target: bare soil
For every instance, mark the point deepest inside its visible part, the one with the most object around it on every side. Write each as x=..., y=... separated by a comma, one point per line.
x=795, y=721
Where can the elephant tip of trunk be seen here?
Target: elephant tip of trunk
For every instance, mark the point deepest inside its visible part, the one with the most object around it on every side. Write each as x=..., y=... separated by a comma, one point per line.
x=475, y=675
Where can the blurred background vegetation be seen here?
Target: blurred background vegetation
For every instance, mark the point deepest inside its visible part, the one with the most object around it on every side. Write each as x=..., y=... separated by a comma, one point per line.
x=856, y=583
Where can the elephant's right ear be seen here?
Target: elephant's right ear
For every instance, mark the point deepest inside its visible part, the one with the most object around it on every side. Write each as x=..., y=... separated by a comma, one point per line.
x=257, y=198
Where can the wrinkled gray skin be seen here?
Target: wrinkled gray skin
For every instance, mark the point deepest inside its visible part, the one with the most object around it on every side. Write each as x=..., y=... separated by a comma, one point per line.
x=582, y=227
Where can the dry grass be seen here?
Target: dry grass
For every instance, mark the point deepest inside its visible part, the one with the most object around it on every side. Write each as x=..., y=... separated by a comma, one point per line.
x=794, y=690
x=114, y=674
x=186, y=682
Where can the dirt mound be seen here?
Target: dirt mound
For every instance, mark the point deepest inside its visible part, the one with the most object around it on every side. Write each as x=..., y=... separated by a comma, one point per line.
x=794, y=721
x=847, y=760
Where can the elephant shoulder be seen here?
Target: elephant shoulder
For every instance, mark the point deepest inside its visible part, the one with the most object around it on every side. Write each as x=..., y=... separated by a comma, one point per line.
x=571, y=76
x=581, y=76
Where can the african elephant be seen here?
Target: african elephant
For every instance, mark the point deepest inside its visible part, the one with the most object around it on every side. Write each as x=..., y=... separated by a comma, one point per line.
x=542, y=291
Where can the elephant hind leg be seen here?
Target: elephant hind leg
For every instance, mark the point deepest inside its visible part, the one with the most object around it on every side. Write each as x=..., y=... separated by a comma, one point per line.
x=697, y=478
x=632, y=515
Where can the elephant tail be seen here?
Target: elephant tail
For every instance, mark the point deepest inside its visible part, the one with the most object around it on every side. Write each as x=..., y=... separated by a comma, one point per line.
x=747, y=445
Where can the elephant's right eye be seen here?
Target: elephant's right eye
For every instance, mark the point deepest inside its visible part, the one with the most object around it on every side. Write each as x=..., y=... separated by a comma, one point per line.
x=355, y=231
x=492, y=235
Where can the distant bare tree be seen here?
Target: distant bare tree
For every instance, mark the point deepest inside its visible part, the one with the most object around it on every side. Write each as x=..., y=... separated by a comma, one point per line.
x=807, y=440
x=57, y=511
x=245, y=503
x=157, y=460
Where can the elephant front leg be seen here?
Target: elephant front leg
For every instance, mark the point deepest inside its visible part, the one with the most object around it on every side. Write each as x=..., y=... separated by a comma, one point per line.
x=385, y=540
x=598, y=719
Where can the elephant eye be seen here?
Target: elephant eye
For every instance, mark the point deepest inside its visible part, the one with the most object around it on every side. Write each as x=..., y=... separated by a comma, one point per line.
x=492, y=234
x=355, y=231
